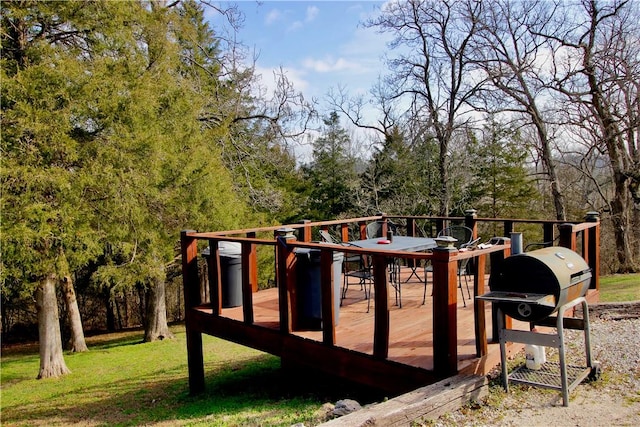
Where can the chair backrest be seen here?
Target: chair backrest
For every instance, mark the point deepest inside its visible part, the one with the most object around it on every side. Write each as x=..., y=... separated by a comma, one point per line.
x=326, y=237
x=374, y=229
x=463, y=235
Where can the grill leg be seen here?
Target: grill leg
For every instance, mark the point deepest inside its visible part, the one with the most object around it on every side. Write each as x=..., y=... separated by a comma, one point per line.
x=503, y=350
x=561, y=351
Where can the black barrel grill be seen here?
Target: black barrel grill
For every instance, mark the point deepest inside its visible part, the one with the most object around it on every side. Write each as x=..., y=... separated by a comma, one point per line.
x=532, y=287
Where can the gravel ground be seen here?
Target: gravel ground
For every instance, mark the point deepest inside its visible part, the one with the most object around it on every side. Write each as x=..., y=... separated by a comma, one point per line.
x=612, y=400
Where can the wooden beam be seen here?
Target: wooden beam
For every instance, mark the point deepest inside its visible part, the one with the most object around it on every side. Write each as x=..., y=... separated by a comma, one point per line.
x=191, y=285
x=480, y=321
x=327, y=294
x=425, y=403
x=305, y=236
x=445, y=308
x=286, y=261
x=568, y=237
x=363, y=368
x=253, y=263
x=381, y=307
x=593, y=250
x=247, y=284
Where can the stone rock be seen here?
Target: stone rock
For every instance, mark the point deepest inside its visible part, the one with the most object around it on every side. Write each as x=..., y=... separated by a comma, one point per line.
x=345, y=406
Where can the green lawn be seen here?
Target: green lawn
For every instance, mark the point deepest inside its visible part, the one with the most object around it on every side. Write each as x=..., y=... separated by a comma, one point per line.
x=620, y=288
x=122, y=381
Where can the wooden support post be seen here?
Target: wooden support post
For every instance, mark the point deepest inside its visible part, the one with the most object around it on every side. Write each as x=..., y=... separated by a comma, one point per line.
x=344, y=232
x=568, y=238
x=470, y=220
x=508, y=228
x=327, y=295
x=593, y=249
x=479, y=305
x=548, y=232
x=363, y=229
x=385, y=226
x=381, y=307
x=253, y=262
x=411, y=227
x=445, y=311
x=496, y=259
x=247, y=282
x=305, y=235
x=286, y=262
x=191, y=285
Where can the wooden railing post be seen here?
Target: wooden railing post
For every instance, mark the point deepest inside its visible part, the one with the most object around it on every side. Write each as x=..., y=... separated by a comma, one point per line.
x=381, y=308
x=479, y=313
x=548, y=232
x=249, y=280
x=508, y=228
x=191, y=288
x=344, y=232
x=568, y=238
x=327, y=295
x=411, y=227
x=305, y=231
x=445, y=305
x=592, y=251
x=362, y=225
x=286, y=262
x=470, y=220
x=496, y=259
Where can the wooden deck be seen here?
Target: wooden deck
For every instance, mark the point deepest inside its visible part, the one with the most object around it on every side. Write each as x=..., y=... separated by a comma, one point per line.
x=385, y=346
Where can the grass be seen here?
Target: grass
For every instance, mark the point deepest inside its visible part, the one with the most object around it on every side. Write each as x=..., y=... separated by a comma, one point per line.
x=620, y=288
x=122, y=381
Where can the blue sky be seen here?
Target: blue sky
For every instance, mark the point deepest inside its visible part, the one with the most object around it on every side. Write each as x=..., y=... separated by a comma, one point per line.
x=319, y=44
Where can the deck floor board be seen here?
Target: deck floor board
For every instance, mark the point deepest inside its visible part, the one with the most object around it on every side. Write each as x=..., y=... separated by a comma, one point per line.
x=411, y=327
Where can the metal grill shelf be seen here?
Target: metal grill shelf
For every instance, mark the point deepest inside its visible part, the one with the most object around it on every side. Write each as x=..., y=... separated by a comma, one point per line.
x=557, y=376
x=549, y=376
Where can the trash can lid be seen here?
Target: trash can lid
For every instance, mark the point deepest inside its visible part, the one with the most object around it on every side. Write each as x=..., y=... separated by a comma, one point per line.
x=225, y=248
x=230, y=248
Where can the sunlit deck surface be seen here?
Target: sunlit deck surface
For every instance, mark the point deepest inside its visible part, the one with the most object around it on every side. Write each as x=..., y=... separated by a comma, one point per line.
x=411, y=327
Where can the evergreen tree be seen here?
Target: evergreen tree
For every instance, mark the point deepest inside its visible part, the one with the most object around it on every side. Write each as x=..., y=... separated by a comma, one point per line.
x=500, y=186
x=331, y=173
x=105, y=156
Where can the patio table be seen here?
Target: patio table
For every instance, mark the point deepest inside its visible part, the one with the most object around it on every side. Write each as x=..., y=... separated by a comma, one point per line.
x=399, y=243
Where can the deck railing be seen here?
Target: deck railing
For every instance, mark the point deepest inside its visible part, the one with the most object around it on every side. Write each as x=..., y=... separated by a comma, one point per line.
x=581, y=237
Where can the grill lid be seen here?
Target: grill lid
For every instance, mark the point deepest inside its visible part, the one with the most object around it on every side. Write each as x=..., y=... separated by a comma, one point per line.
x=533, y=285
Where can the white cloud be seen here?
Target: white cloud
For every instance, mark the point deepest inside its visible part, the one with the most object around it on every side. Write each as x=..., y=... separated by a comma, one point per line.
x=296, y=77
x=273, y=16
x=296, y=25
x=329, y=65
x=312, y=12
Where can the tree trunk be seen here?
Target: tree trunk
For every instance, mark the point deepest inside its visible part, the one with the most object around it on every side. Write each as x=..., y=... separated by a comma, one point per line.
x=50, y=342
x=111, y=318
x=156, y=327
x=76, y=342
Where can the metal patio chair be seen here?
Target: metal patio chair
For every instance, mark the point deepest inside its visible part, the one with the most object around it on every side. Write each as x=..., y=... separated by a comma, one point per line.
x=464, y=239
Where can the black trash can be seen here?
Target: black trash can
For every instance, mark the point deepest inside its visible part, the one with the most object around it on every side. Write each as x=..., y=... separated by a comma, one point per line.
x=308, y=291
x=230, y=272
